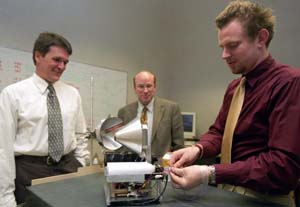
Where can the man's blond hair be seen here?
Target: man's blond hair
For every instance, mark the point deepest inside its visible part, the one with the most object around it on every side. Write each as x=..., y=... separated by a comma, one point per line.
x=253, y=16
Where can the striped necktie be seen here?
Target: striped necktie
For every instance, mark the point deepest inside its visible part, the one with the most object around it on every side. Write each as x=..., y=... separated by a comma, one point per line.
x=144, y=118
x=232, y=118
x=55, y=126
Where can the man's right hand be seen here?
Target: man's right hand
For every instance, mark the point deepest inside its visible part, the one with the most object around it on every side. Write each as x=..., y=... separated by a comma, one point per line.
x=189, y=177
x=184, y=157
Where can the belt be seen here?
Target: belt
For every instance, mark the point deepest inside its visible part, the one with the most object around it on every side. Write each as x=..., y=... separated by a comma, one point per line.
x=286, y=199
x=45, y=159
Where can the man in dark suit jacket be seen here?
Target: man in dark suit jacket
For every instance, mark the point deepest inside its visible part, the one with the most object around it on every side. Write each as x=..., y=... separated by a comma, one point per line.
x=164, y=116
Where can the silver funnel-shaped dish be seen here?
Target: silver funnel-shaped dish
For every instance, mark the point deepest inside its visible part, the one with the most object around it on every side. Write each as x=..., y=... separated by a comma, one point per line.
x=113, y=135
x=105, y=133
x=130, y=135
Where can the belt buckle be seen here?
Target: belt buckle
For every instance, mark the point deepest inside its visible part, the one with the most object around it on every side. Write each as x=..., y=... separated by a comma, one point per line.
x=50, y=161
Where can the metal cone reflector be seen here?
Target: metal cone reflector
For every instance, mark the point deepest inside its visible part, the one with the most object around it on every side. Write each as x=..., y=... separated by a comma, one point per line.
x=105, y=133
x=130, y=135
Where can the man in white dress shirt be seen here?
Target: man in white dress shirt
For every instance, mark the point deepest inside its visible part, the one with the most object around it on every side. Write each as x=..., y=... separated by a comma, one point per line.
x=24, y=123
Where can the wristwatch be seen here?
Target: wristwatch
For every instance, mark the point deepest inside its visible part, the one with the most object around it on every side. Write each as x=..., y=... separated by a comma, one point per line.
x=212, y=175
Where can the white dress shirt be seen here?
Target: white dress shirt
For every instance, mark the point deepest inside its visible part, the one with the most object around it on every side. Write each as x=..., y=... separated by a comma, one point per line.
x=149, y=116
x=24, y=129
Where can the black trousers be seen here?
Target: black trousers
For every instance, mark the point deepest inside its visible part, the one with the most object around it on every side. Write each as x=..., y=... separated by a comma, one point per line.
x=33, y=167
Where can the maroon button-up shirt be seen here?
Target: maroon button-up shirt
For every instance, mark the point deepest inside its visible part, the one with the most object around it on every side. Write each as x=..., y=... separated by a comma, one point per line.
x=266, y=141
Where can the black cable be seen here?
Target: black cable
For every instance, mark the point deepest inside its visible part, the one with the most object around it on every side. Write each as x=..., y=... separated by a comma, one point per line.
x=137, y=203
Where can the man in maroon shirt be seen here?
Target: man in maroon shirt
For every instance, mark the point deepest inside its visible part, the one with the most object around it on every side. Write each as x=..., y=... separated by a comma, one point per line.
x=265, y=158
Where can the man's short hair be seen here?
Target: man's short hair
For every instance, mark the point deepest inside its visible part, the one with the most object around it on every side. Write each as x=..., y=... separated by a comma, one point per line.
x=47, y=39
x=253, y=16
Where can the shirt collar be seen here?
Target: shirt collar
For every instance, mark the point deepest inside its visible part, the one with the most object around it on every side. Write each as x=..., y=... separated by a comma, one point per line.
x=253, y=76
x=149, y=106
x=40, y=83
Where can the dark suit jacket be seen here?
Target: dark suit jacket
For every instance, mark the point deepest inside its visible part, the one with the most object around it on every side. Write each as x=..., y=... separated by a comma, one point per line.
x=167, y=129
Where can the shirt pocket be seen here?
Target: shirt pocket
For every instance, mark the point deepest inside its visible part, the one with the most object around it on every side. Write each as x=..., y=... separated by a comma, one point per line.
x=32, y=113
x=69, y=116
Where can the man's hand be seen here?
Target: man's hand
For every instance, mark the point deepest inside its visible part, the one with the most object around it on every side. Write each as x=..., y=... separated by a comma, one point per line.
x=184, y=157
x=189, y=177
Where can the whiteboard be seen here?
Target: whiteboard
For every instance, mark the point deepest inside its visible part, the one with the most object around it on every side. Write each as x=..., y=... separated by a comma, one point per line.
x=103, y=91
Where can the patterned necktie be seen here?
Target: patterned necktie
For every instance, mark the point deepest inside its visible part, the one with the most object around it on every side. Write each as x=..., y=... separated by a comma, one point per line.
x=144, y=118
x=232, y=118
x=55, y=126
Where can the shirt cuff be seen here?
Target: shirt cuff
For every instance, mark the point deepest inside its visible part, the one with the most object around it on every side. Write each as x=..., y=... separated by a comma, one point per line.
x=212, y=175
x=200, y=147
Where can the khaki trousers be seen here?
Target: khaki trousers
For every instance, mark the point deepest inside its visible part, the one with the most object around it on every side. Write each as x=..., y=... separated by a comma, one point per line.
x=286, y=200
